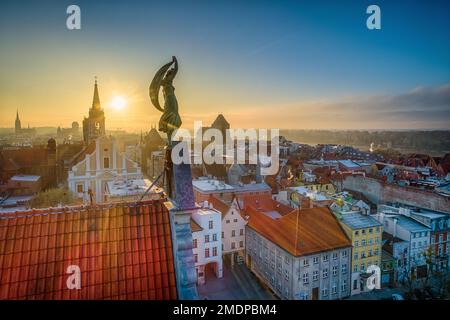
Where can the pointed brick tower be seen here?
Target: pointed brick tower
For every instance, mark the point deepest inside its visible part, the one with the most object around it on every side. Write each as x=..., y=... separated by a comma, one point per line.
x=94, y=125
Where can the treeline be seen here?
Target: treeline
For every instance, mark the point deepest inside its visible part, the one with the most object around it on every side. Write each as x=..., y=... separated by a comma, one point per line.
x=419, y=141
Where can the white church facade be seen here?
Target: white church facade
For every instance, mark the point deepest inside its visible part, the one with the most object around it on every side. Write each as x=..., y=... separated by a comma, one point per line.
x=102, y=162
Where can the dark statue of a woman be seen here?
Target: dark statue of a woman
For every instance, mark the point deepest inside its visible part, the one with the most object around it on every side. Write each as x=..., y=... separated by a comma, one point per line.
x=170, y=119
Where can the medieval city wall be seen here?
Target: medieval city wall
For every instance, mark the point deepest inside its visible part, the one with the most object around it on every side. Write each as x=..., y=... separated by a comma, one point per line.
x=381, y=192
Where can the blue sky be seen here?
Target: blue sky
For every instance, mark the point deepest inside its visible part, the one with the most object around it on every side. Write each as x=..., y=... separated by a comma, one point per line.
x=285, y=58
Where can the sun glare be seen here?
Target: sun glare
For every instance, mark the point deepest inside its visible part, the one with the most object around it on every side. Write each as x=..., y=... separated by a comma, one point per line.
x=118, y=103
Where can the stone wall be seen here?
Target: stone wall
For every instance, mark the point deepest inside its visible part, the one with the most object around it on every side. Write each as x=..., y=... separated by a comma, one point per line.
x=381, y=192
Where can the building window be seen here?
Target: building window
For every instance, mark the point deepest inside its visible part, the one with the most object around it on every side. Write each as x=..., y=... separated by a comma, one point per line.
x=207, y=253
x=214, y=252
x=344, y=254
x=356, y=233
x=106, y=163
x=363, y=242
x=211, y=224
x=355, y=268
x=344, y=268
x=305, y=262
x=335, y=256
x=234, y=220
x=370, y=230
x=315, y=275
x=233, y=233
x=215, y=237
x=325, y=258
x=228, y=221
x=194, y=243
x=315, y=260
x=370, y=241
x=222, y=235
x=233, y=246
x=362, y=267
x=355, y=256
x=241, y=232
x=334, y=289
x=356, y=243
x=344, y=285
x=286, y=260
x=241, y=244
x=335, y=270
x=79, y=188
x=363, y=231
x=195, y=258
x=378, y=229
x=286, y=275
x=325, y=273
x=305, y=278
x=207, y=238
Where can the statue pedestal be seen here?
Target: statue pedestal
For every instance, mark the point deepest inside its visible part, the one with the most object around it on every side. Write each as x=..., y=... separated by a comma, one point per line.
x=182, y=204
x=179, y=182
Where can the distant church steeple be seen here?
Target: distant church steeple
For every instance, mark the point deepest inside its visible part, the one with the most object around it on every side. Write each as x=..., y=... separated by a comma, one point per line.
x=17, y=125
x=96, y=100
x=94, y=125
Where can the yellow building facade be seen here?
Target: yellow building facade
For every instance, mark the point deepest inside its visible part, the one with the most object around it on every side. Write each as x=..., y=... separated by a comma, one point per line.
x=365, y=233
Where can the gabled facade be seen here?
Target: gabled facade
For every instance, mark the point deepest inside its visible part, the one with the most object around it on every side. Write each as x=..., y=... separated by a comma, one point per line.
x=233, y=229
x=103, y=162
x=207, y=243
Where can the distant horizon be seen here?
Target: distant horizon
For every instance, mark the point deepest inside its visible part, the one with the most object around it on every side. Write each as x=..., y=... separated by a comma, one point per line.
x=136, y=131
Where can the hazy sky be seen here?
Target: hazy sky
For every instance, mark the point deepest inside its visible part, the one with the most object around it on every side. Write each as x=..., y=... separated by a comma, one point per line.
x=283, y=64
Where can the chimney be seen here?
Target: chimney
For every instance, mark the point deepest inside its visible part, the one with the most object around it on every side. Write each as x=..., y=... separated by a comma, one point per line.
x=395, y=227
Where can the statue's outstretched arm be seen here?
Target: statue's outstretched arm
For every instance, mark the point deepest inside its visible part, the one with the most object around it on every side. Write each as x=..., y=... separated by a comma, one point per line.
x=175, y=68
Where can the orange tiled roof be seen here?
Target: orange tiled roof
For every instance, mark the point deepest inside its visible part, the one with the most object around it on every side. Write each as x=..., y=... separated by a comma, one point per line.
x=265, y=203
x=317, y=230
x=121, y=255
x=89, y=149
x=195, y=226
x=219, y=205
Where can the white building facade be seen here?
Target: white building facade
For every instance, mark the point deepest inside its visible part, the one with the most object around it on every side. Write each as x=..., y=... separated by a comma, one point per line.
x=103, y=162
x=233, y=233
x=207, y=242
x=407, y=229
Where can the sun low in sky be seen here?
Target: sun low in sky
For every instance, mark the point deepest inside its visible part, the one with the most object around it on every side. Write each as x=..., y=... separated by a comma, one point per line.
x=118, y=103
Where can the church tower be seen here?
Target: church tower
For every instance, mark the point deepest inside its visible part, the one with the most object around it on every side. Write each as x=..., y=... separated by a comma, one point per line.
x=94, y=125
x=17, y=126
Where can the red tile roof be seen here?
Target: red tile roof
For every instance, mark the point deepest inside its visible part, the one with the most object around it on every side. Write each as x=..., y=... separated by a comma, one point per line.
x=317, y=230
x=219, y=205
x=27, y=157
x=265, y=203
x=195, y=226
x=121, y=254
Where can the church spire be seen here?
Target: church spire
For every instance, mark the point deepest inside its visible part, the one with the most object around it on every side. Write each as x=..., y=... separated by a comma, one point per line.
x=96, y=100
x=17, y=124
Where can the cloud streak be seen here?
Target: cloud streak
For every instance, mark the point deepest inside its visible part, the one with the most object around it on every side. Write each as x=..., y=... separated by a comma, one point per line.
x=420, y=108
